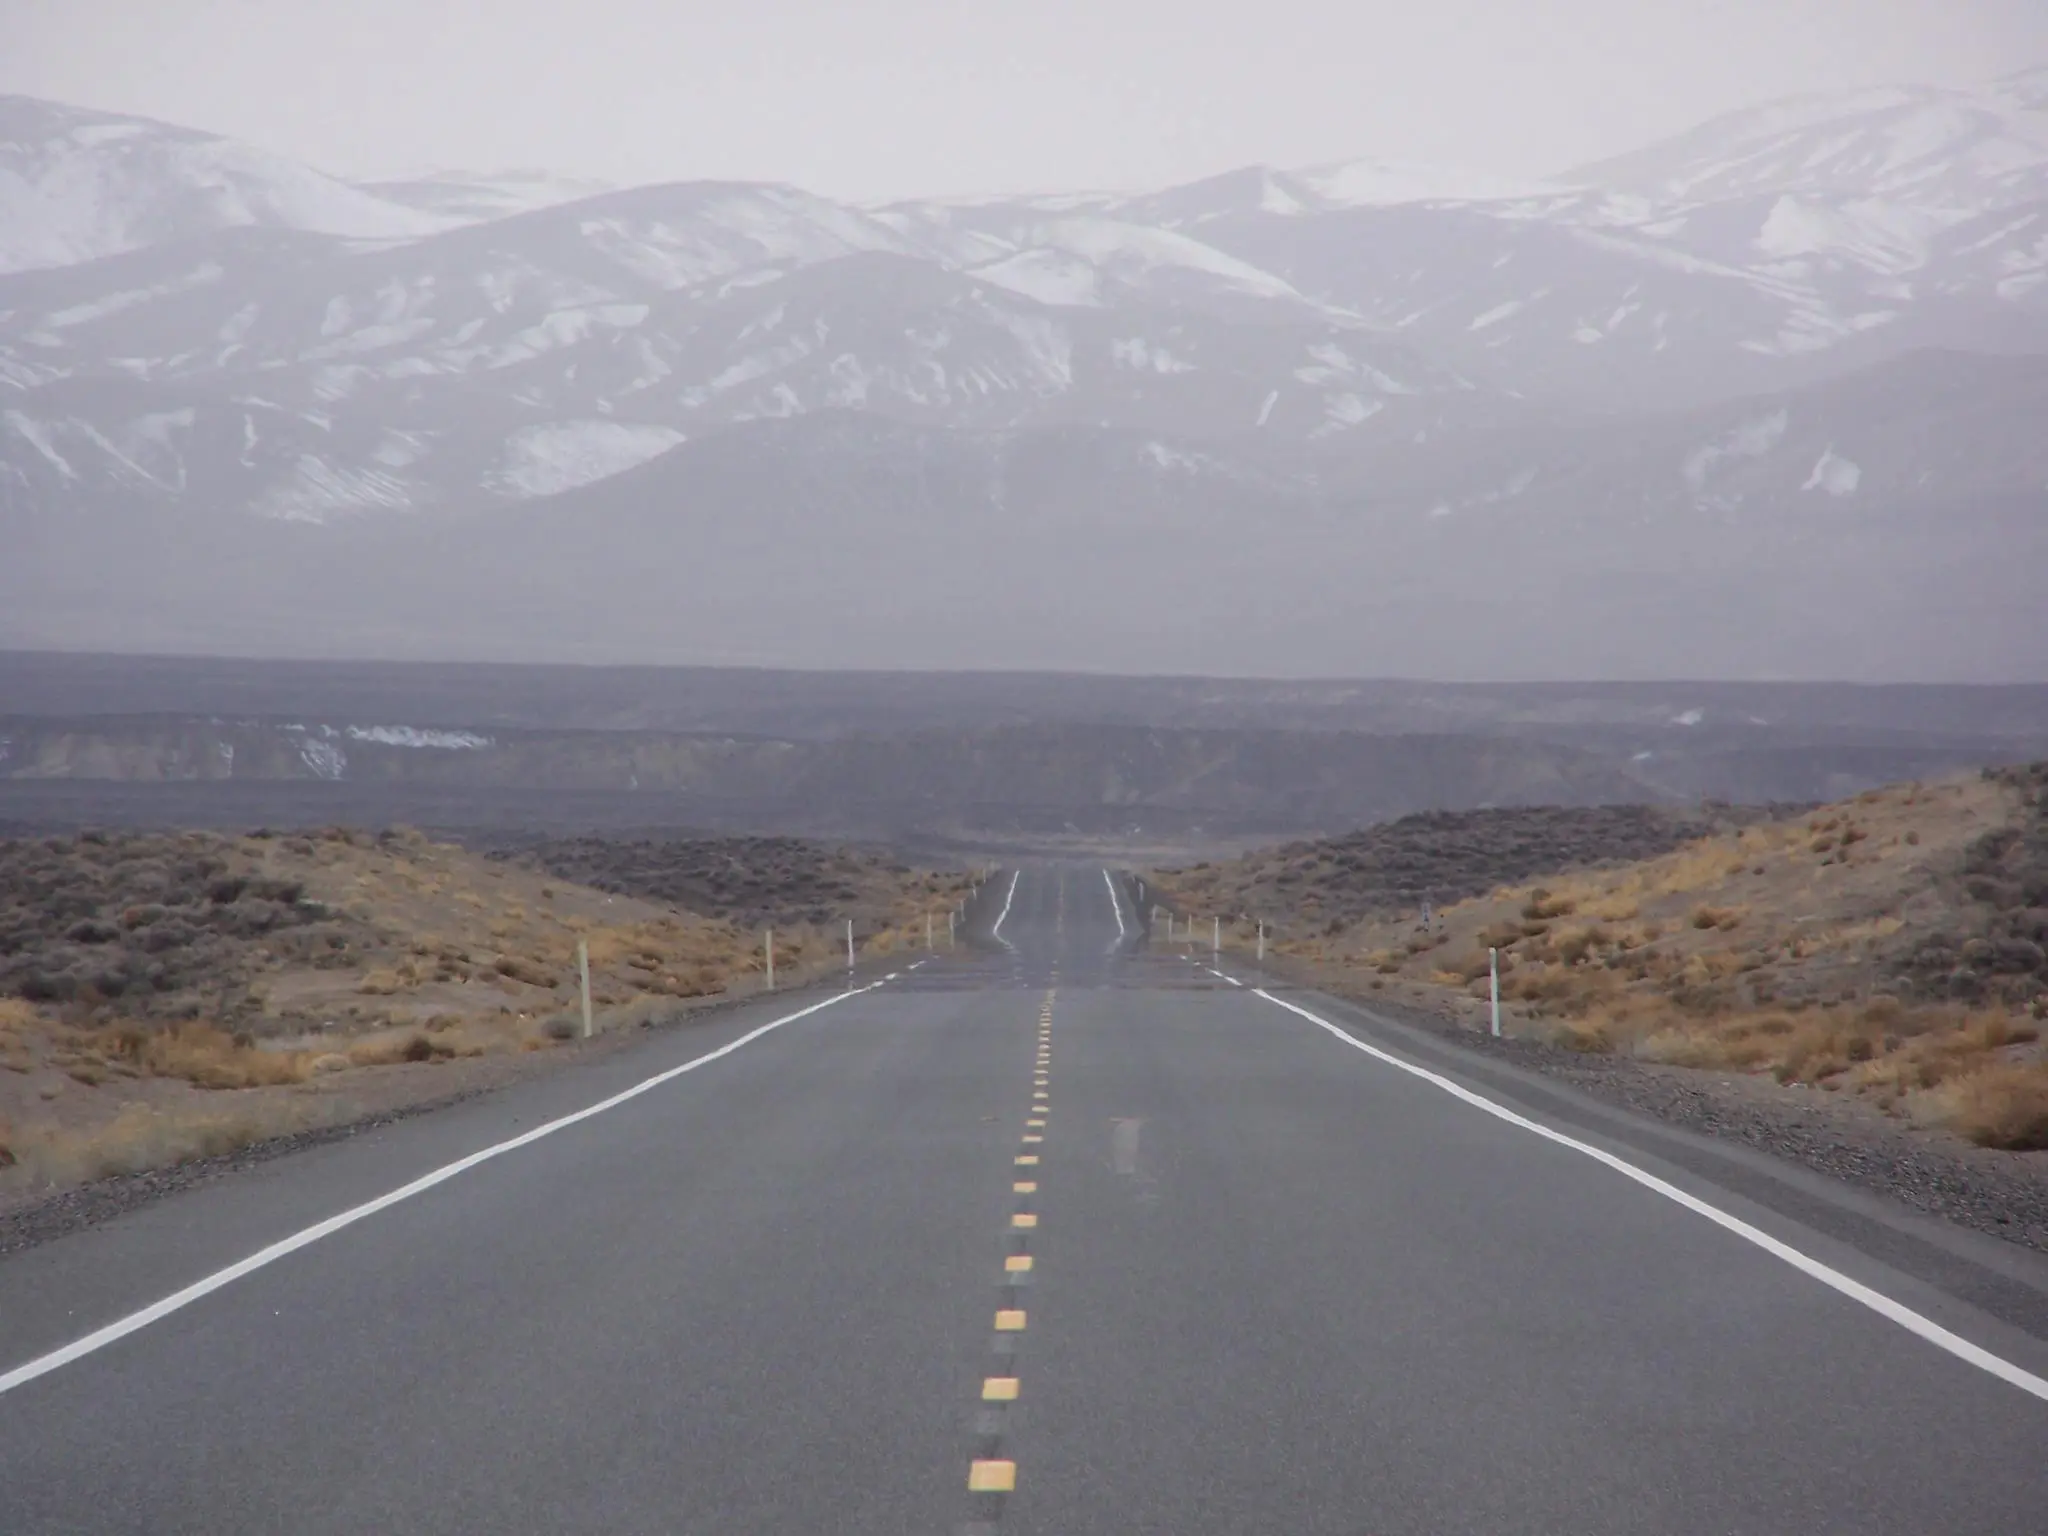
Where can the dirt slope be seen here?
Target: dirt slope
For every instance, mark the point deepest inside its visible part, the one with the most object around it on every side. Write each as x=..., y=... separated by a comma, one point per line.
x=1892, y=948
x=165, y=995
x=1439, y=856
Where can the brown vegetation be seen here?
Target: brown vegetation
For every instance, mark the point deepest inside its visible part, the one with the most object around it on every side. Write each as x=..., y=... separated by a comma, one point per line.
x=1439, y=856
x=168, y=995
x=1889, y=947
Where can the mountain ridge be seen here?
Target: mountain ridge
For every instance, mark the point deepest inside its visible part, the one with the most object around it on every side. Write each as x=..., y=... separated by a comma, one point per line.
x=1725, y=349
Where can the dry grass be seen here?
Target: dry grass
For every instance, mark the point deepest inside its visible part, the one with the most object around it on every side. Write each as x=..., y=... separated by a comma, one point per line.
x=135, y=1140
x=2002, y=1106
x=1783, y=949
x=259, y=981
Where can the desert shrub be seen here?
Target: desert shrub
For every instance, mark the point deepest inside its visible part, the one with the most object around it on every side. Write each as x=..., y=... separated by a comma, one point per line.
x=521, y=969
x=2004, y=1106
x=206, y=1056
x=170, y=934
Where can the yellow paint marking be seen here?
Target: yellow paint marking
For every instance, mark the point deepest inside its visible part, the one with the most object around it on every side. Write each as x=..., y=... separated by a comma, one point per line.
x=1029, y=1139
x=1017, y=1263
x=1039, y=1093
x=1036, y=1124
x=1024, y=1187
x=1028, y=1160
x=992, y=1477
x=999, y=1389
x=1009, y=1321
x=1024, y=1219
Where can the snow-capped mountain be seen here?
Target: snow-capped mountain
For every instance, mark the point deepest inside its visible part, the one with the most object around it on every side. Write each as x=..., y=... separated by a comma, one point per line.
x=76, y=185
x=523, y=355
x=1915, y=146
x=1822, y=319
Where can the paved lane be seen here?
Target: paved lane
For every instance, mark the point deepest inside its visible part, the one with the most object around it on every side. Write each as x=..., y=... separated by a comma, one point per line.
x=1121, y=1247
x=743, y=1302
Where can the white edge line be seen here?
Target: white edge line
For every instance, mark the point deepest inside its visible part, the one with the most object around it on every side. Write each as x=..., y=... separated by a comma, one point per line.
x=1114, y=905
x=1913, y=1322
x=156, y=1311
x=996, y=932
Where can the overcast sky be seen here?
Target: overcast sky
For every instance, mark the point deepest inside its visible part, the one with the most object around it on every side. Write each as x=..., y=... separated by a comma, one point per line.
x=870, y=98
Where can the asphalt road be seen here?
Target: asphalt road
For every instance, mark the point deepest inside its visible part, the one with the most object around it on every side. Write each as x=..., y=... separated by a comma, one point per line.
x=1274, y=1284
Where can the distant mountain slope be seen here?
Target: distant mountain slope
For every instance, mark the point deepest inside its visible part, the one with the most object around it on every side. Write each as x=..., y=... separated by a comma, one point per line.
x=1719, y=544
x=1354, y=416
x=76, y=185
x=475, y=195
x=1921, y=145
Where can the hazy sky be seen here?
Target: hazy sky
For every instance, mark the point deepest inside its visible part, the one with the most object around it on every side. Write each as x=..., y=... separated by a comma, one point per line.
x=868, y=98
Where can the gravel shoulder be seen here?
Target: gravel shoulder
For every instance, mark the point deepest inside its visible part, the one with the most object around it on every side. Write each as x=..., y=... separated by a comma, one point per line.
x=2004, y=1194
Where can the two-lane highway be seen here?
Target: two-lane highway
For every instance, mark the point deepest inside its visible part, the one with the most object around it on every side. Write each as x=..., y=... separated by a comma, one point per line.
x=1058, y=1236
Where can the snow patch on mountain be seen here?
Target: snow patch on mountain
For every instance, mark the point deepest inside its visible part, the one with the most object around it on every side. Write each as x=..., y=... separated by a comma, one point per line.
x=1134, y=252
x=541, y=460
x=1750, y=440
x=1927, y=146
x=1051, y=277
x=38, y=437
x=1834, y=474
x=319, y=488
x=1137, y=353
x=1047, y=347
x=77, y=185
x=127, y=298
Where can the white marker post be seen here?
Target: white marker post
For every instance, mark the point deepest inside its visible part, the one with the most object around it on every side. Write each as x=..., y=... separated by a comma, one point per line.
x=928, y=932
x=1493, y=968
x=1262, y=942
x=583, y=976
x=849, y=943
x=770, y=940
x=1216, y=938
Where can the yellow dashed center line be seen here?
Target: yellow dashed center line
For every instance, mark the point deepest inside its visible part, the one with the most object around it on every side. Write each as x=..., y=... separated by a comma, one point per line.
x=992, y=1477
x=986, y=1474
